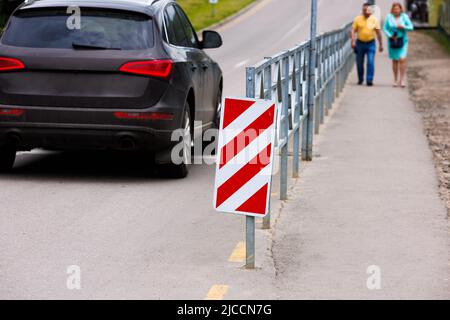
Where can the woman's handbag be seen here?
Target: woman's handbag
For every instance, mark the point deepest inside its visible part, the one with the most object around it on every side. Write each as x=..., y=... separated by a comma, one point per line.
x=396, y=42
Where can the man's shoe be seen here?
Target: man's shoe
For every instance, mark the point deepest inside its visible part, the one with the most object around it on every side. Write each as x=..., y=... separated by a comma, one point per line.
x=369, y=84
x=360, y=83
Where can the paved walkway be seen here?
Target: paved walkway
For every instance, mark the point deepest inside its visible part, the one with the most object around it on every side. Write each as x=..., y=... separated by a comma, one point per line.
x=370, y=197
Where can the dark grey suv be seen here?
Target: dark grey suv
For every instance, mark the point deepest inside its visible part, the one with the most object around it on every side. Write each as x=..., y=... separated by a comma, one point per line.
x=119, y=74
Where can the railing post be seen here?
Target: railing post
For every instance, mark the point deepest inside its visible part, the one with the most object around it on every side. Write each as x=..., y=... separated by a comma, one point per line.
x=318, y=81
x=250, y=221
x=285, y=128
x=250, y=242
x=267, y=84
x=298, y=106
x=308, y=154
x=335, y=66
x=305, y=112
x=338, y=64
x=327, y=77
x=333, y=70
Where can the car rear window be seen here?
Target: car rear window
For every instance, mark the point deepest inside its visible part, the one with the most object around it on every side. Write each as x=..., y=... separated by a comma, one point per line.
x=99, y=28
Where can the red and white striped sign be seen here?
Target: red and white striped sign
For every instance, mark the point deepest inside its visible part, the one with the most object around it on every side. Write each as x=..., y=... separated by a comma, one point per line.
x=245, y=157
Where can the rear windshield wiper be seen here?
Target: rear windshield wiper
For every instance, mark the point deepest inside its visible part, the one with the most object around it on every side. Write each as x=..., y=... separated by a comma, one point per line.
x=76, y=45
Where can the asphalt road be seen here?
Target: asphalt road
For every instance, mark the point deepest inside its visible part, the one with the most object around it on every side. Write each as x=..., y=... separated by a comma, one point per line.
x=137, y=237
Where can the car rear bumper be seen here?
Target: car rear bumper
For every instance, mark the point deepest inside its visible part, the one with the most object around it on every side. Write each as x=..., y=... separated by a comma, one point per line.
x=65, y=129
x=27, y=137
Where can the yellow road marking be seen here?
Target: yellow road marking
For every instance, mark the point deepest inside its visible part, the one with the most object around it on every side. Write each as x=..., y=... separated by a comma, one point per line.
x=238, y=254
x=217, y=292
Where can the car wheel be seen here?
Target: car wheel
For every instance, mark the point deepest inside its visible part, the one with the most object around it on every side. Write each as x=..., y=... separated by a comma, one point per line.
x=7, y=158
x=216, y=122
x=180, y=171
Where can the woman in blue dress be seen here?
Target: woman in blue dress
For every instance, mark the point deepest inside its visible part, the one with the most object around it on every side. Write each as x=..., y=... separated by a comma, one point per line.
x=397, y=25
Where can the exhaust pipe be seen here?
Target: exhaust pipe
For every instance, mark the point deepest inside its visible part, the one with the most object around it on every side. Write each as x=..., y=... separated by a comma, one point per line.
x=14, y=139
x=127, y=143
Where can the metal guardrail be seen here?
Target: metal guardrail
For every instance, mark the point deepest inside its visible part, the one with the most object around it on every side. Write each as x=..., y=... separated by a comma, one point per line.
x=283, y=79
x=444, y=17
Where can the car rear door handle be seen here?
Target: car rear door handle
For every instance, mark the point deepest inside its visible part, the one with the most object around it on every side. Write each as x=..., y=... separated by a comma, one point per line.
x=205, y=66
x=193, y=67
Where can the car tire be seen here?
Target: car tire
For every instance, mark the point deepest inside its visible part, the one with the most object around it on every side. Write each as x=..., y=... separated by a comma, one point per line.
x=7, y=158
x=181, y=171
x=216, y=122
x=218, y=110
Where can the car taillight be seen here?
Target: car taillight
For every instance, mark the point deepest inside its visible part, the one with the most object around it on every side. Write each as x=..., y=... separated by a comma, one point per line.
x=143, y=116
x=11, y=112
x=153, y=68
x=9, y=64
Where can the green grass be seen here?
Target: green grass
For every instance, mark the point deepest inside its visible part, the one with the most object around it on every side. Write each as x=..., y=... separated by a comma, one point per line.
x=2, y=21
x=440, y=38
x=200, y=14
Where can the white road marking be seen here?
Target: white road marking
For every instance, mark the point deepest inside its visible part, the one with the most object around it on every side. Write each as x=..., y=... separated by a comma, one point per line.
x=291, y=32
x=241, y=64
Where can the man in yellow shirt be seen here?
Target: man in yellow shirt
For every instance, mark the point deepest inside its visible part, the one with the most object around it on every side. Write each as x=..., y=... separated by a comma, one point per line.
x=366, y=28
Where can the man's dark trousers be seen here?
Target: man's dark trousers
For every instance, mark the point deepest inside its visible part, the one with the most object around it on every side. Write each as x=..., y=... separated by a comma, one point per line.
x=362, y=50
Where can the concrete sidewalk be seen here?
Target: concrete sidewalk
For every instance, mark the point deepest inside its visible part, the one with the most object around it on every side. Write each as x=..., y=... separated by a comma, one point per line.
x=370, y=197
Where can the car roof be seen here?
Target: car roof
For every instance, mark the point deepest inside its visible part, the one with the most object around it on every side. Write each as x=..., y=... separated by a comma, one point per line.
x=142, y=6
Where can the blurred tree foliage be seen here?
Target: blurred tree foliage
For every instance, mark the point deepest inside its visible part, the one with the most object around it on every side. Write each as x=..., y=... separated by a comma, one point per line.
x=6, y=8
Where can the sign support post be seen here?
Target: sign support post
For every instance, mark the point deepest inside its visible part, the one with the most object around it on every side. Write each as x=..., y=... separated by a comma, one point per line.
x=308, y=150
x=246, y=145
x=213, y=7
x=249, y=220
x=250, y=242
